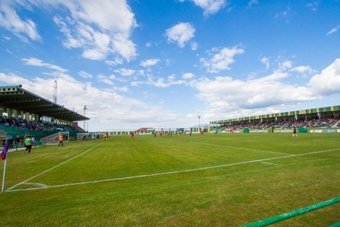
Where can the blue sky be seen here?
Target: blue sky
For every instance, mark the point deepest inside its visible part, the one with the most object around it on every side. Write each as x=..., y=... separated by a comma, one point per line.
x=148, y=63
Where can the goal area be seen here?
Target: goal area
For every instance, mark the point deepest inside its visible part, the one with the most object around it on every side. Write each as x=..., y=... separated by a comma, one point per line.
x=83, y=136
x=53, y=139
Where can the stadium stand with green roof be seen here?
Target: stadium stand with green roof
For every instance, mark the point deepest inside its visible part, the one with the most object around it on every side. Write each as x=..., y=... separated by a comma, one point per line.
x=16, y=102
x=272, y=121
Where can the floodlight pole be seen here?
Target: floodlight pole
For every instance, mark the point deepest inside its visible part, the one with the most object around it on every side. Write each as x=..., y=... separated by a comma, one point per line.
x=85, y=108
x=55, y=91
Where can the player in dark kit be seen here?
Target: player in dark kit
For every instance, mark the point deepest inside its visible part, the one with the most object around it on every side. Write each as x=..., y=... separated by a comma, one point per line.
x=294, y=132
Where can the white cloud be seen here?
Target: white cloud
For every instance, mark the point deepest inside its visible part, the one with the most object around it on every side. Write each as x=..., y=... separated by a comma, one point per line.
x=149, y=62
x=194, y=45
x=159, y=82
x=70, y=41
x=180, y=33
x=333, y=30
x=126, y=48
x=113, y=15
x=12, y=78
x=107, y=109
x=6, y=38
x=125, y=72
x=105, y=79
x=40, y=63
x=221, y=59
x=11, y=21
x=101, y=28
x=285, y=65
x=288, y=66
x=85, y=75
x=121, y=89
x=136, y=83
x=188, y=76
x=210, y=6
x=94, y=54
x=266, y=62
x=313, y=5
x=302, y=69
x=328, y=81
x=114, y=62
x=275, y=76
x=162, y=83
x=226, y=95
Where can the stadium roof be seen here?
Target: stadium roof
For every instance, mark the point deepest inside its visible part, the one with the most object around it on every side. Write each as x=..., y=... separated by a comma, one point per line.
x=16, y=97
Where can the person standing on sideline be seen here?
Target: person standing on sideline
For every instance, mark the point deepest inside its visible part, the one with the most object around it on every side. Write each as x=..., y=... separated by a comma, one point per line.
x=61, y=140
x=33, y=141
x=294, y=132
x=17, y=141
x=28, y=144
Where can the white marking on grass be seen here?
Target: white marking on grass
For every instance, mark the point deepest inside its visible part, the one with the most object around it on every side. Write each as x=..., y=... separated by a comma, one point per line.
x=269, y=163
x=38, y=184
x=175, y=172
x=54, y=167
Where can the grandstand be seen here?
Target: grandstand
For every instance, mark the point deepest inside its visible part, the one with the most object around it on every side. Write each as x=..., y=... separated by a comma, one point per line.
x=325, y=117
x=24, y=113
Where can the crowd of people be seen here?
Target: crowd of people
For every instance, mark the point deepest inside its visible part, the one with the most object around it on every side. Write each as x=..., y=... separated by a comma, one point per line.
x=312, y=123
x=326, y=122
x=23, y=131
x=24, y=124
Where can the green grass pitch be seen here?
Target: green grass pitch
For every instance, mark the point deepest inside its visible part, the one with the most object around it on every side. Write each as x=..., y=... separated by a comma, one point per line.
x=180, y=180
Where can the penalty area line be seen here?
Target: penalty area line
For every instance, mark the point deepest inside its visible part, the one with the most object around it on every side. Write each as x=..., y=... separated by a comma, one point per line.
x=176, y=172
x=54, y=167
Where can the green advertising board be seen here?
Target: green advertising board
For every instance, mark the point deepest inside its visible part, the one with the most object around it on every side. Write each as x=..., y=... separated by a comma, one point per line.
x=302, y=130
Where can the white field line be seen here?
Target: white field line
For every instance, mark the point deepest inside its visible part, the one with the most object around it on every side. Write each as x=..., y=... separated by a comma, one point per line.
x=269, y=163
x=38, y=184
x=54, y=167
x=175, y=172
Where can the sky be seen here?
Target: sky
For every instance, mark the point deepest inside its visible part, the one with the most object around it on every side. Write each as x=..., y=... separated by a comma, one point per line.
x=173, y=63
